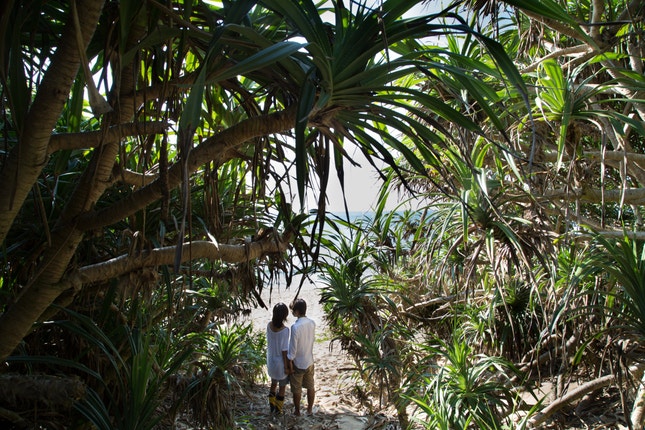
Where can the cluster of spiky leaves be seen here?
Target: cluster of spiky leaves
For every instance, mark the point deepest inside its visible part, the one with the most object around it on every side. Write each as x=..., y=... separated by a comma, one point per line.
x=171, y=200
x=166, y=192
x=528, y=241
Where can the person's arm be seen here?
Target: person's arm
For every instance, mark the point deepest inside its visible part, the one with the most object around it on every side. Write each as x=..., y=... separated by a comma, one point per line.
x=293, y=344
x=268, y=340
x=285, y=351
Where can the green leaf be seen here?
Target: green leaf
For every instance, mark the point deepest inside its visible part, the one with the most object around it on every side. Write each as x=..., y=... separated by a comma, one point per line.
x=502, y=59
x=547, y=9
x=236, y=11
x=192, y=113
x=305, y=104
x=305, y=16
x=264, y=58
x=52, y=361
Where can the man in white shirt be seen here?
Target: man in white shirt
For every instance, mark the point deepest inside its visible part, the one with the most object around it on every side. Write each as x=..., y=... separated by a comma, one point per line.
x=301, y=356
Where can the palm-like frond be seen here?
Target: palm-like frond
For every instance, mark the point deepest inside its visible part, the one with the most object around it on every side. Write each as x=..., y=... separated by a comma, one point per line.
x=624, y=261
x=354, y=91
x=466, y=389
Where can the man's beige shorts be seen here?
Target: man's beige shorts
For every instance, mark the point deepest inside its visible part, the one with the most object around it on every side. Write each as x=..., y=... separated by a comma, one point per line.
x=302, y=378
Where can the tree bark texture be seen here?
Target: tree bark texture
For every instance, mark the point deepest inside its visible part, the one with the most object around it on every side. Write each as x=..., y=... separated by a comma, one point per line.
x=45, y=392
x=27, y=159
x=165, y=256
x=21, y=171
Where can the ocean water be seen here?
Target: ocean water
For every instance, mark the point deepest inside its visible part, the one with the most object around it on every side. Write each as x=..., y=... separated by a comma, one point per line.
x=307, y=287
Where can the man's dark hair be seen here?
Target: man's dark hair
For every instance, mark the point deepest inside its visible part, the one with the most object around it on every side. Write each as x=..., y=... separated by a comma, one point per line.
x=301, y=306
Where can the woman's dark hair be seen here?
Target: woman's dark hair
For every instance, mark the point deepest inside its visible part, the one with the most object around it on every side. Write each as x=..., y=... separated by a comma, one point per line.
x=280, y=314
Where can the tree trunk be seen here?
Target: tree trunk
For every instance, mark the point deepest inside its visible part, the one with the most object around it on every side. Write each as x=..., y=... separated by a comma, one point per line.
x=43, y=392
x=27, y=159
x=22, y=168
x=638, y=410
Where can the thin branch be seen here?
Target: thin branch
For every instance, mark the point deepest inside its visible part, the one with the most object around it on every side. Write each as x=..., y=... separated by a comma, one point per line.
x=578, y=393
x=590, y=195
x=564, y=52
x=92, y=139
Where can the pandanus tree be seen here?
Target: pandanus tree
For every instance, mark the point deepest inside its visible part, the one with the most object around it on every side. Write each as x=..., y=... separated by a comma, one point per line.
x=193, y=92
x=525, y=199
x=572, y=160
x=175, y=169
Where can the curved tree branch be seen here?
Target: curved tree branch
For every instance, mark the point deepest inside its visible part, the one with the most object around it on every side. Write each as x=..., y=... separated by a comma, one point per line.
x=578, y=393
x=165, y=256
x=135, y=179
x=635, y=161
x=26, y=159
x=218, y=149
x=92, y=139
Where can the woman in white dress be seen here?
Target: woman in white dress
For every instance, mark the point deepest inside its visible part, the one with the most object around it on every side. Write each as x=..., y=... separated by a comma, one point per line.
x=277, y=363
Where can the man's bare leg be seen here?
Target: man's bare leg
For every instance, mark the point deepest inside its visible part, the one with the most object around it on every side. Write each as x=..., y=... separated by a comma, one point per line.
x=311, y=396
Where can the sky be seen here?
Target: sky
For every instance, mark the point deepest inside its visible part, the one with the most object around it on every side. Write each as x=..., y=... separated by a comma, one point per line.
x=361, y=187
x=362, y=184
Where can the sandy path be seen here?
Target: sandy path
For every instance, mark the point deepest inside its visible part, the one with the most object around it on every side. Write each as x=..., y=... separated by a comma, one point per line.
x=336, y=407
